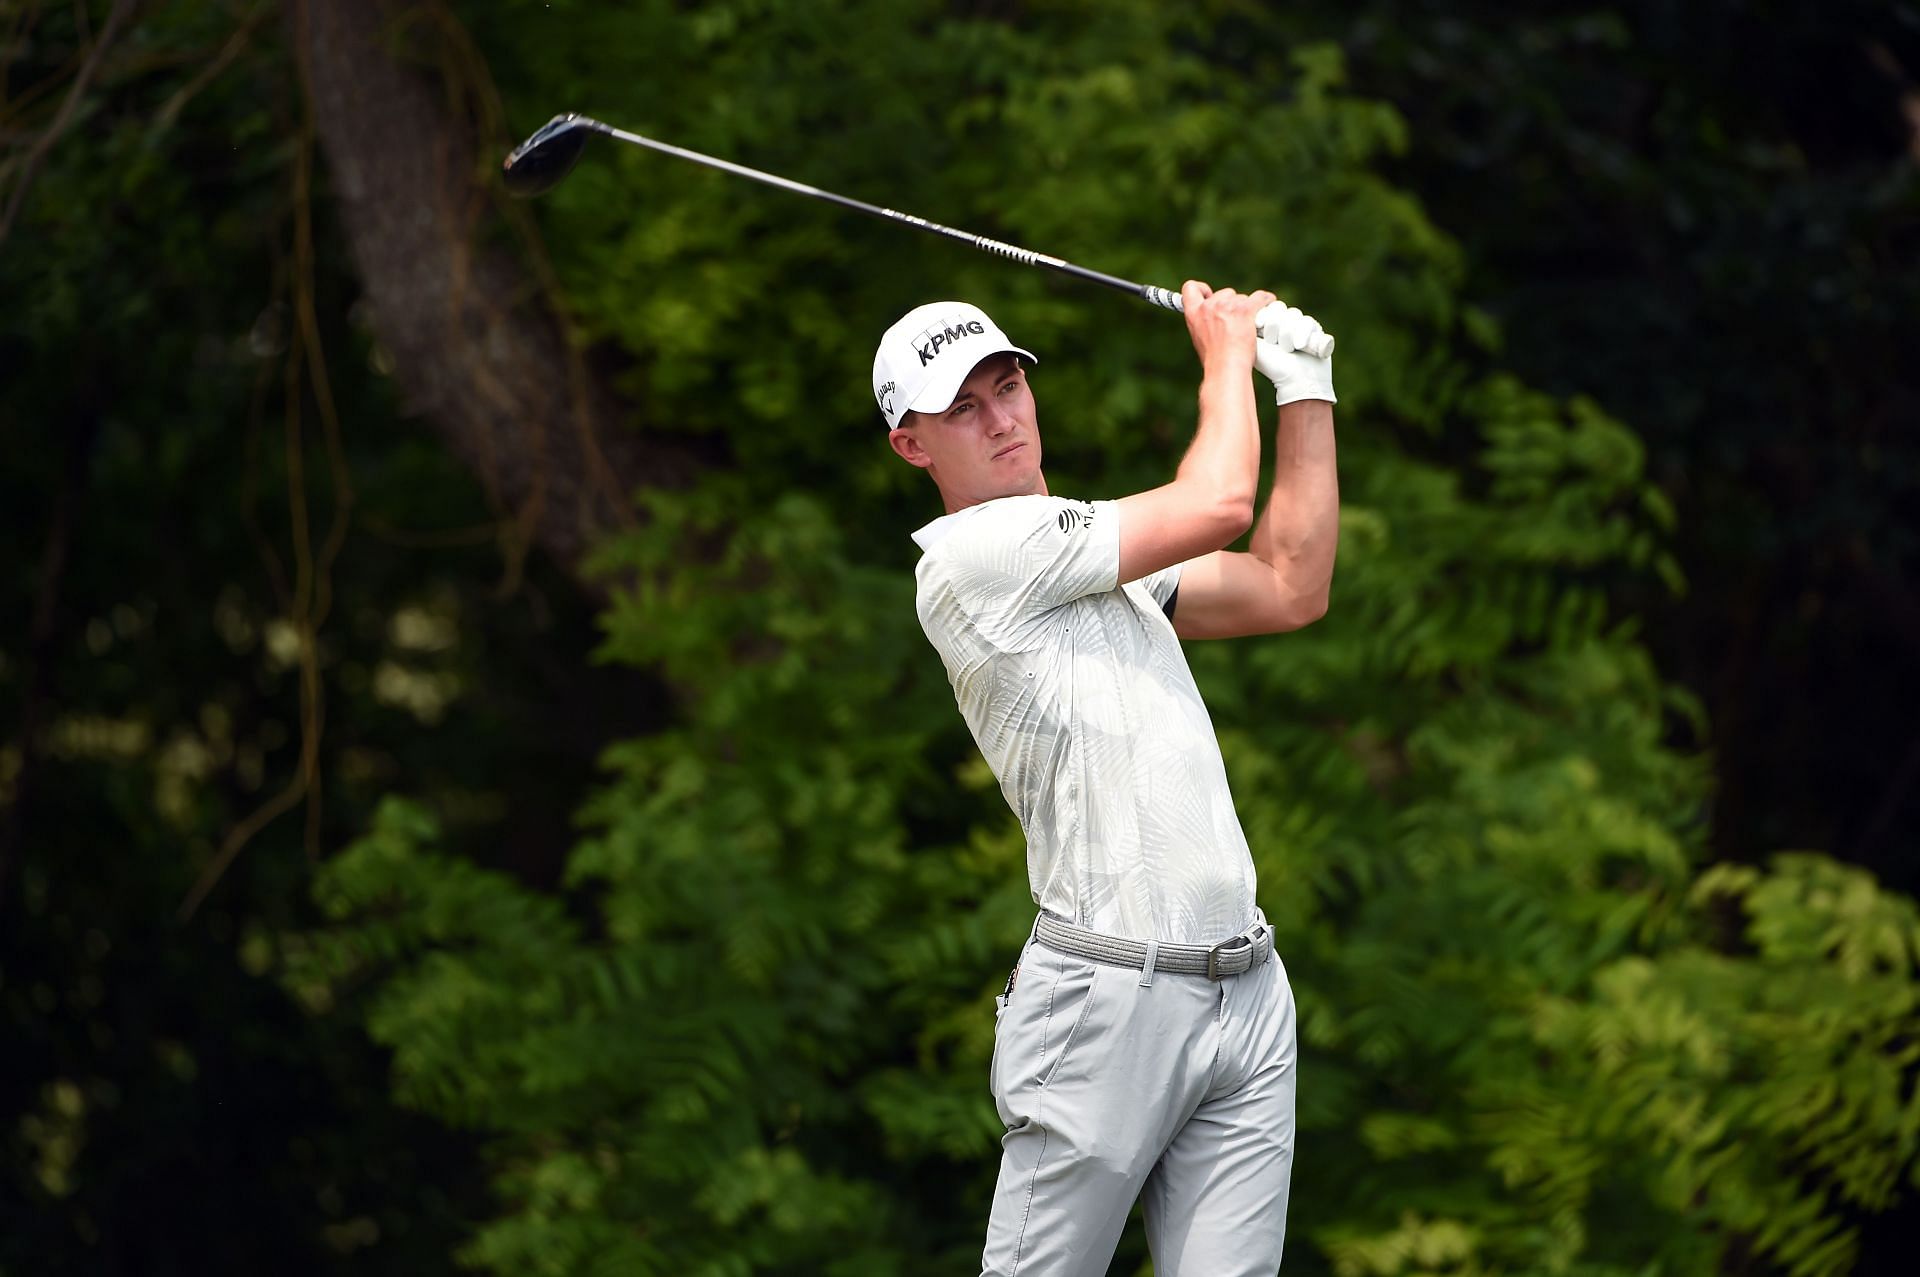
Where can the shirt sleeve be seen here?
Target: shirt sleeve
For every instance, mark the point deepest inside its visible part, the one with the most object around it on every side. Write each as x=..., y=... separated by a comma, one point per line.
x=1164, y=585
x=1022, y=556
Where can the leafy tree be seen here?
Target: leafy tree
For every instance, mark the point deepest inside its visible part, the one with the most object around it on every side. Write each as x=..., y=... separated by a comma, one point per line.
x=1635, y=184
x=744, y=1025
x=177, y=626
x=751, y=1033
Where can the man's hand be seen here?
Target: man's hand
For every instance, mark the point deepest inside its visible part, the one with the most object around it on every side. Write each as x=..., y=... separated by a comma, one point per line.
x=1222, y=324
x=1280, y=355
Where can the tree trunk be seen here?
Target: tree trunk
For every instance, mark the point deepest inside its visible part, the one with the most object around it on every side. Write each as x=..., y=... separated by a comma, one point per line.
x=475, y=343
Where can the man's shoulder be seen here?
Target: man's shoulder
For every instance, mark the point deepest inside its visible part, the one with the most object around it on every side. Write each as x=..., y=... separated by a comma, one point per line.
x=964, y=553
x=1004, y=518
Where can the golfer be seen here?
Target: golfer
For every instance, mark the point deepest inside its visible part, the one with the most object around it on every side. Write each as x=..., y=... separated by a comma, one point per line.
x=1145, y=1043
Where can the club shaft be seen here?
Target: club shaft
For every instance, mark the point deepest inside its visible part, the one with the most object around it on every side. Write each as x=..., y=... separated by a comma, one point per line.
x=1146, y=292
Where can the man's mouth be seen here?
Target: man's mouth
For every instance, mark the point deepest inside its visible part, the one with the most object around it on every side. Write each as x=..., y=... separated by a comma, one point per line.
x=1012, y=447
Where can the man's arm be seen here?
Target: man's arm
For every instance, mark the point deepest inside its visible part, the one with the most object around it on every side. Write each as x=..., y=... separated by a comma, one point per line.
x=1283, y=582
x=1210, y=502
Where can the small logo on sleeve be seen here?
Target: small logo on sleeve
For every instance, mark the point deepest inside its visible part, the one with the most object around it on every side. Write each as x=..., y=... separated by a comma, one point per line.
x=1076, y=518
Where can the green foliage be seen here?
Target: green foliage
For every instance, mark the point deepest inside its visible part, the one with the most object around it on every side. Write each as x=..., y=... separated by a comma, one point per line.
x=1703, y=215
x=755, y=1036
x=746, y=1028
x=168, y=1109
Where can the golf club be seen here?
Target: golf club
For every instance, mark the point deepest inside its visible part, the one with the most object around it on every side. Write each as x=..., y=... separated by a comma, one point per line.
x=541, y=162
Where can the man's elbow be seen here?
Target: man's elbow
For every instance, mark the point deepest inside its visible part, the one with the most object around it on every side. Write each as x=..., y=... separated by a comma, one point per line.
x=1303, y=610
x=1215, y=514
x=1234, y=514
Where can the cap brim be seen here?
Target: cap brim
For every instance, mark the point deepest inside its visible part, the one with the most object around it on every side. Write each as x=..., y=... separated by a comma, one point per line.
x=938, y=394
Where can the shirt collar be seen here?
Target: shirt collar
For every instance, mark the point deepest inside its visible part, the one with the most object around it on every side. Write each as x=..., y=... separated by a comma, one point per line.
x=931, y=535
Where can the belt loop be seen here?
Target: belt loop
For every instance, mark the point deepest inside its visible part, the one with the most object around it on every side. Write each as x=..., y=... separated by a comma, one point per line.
x=1153, y=957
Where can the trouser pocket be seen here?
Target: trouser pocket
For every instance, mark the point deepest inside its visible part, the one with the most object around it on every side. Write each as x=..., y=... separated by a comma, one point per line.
x=1040, y=1027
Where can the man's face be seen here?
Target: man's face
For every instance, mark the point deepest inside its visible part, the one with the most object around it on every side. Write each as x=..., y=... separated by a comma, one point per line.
x=987, y=442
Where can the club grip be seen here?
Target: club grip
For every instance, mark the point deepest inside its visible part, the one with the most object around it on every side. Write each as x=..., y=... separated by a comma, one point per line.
x=1320, y=347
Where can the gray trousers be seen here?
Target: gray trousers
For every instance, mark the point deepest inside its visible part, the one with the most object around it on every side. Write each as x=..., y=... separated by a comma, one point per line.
x=1178, y=1093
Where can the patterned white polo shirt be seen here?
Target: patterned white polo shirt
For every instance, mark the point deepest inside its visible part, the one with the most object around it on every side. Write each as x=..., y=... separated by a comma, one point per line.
x=1081, y=701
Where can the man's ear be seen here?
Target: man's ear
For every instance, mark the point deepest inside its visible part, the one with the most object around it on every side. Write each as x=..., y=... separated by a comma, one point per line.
x=903, y=442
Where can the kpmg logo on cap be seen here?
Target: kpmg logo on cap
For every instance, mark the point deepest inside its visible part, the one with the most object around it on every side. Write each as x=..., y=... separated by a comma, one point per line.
x=946, y=336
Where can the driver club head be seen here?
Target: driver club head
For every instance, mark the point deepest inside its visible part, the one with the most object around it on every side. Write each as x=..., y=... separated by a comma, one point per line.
x=539, y=164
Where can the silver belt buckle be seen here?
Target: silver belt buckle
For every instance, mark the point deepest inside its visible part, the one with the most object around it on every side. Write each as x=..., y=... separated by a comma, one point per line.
x=1250, y=939
x=1232, y=944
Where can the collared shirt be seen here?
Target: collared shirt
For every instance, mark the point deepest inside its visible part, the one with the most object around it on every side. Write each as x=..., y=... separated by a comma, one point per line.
x=1079, y=696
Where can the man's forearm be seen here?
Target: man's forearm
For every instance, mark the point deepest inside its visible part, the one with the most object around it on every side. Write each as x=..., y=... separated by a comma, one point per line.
x=1299, y=532
x=1224, y=458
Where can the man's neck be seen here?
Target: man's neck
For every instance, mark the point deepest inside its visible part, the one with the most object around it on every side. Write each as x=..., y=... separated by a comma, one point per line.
x=955, y=503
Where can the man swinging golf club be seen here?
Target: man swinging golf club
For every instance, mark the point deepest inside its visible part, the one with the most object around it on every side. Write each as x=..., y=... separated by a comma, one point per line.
x=1145, y=1042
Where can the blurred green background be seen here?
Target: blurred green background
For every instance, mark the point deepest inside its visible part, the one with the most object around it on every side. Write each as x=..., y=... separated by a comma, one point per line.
x=473, y=791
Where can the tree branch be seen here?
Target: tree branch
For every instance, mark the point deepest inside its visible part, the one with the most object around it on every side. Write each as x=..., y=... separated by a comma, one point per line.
x=117, y=18
x=477, y=345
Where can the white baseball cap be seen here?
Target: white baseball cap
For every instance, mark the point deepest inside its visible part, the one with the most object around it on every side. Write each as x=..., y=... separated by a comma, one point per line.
x=928, y=352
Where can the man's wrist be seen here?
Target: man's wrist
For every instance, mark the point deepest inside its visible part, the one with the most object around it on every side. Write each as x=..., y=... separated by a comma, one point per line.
x=1296, y=413
x=1225, y=373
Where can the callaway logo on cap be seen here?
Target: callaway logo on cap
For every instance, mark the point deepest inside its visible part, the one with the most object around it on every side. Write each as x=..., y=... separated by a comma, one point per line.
x=928, y=352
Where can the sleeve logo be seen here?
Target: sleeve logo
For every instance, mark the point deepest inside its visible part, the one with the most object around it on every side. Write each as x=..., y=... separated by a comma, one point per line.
x=1076, y=518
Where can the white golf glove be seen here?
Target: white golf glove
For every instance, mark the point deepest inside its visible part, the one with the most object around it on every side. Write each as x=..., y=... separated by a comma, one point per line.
x=1281, y=354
